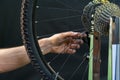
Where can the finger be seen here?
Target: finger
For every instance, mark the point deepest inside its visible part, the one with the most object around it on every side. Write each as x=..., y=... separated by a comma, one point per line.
x=77, y=41
x=71, y=51
x=69, y=34
x=74, y=46
x=81, y=35
x=81, y=41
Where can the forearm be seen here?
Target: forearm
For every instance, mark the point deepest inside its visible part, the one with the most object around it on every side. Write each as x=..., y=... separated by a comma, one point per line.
x=13, y=58
x=16, y=57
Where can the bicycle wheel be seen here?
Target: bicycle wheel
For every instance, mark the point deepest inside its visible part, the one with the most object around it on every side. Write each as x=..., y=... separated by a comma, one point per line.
x=30, y=39
x=32, y=17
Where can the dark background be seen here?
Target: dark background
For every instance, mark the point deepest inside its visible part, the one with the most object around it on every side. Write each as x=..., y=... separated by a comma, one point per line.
x=54, y=16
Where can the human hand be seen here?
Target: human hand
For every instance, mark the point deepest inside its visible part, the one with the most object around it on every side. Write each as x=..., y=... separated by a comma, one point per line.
x=66, y=42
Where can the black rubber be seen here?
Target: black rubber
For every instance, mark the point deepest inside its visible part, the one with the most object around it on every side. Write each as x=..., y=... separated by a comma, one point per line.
x=30, y=41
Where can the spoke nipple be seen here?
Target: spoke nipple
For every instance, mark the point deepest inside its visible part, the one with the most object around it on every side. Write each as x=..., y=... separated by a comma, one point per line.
x=87, y=56
x=37, y=6
x=36, y=22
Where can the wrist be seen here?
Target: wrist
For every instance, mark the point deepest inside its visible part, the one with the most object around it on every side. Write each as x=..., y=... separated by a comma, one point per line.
x=45, y=45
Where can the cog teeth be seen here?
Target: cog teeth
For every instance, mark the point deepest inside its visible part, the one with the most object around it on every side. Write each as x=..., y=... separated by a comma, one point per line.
x=92, y=28
x=92, y=22
x=101, y=17
x=96, y=15
x=92, y=15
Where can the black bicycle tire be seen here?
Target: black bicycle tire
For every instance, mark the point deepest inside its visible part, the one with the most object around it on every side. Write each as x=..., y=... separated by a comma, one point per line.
x=30, y=41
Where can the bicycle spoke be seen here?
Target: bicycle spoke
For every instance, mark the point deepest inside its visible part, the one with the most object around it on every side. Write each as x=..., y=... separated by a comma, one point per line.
x=55, y=8
x=53, y=58
x=77, y=69
x=59, y=18
x=64, y=64
x=67, y=4
x=64, y=4
x=84, y=58
x=48, y=35
x=85, y=72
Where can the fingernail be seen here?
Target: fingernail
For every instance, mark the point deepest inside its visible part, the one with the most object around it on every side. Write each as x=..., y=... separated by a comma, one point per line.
x=78, y=46
x=81, y=41
x=74, y=51
x=76, y=32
